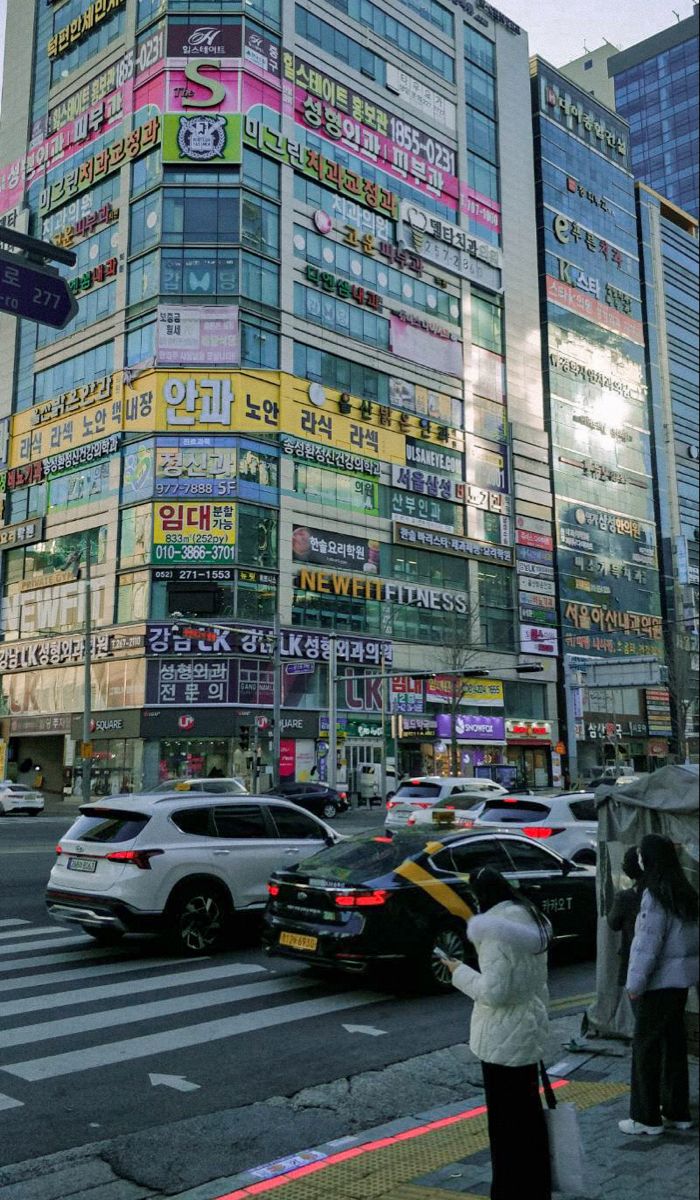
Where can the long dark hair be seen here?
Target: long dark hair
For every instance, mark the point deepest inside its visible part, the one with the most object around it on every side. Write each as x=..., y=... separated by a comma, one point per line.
x=665, y=879
x=490, y=888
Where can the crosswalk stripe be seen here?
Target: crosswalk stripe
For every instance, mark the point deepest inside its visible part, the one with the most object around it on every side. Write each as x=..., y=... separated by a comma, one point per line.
x=86, y=955
x=9, y=1102
x=87, y=995
x=23, y=933
x=19, y=947
x=105, y=1019
x=89, y=971
x=13, y=921
x=150, y=1044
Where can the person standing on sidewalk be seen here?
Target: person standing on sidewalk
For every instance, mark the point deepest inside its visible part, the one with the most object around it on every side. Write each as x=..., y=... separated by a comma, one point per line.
x=625, y=910
x=509, y=1030
x=663, y=965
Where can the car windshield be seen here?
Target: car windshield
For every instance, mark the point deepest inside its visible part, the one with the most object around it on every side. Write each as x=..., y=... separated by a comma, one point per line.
x=106, y=825
x=409, y=791
x=357, y=859
x=507, y=811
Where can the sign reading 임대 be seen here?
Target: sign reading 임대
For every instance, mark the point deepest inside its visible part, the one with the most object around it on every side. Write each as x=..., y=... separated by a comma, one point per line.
x=194, y=532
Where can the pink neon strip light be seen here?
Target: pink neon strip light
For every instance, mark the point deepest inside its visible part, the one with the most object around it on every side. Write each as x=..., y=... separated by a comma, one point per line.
x=266, y=1185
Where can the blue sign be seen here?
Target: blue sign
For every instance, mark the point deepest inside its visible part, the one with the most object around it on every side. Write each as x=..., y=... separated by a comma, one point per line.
x=36, y=293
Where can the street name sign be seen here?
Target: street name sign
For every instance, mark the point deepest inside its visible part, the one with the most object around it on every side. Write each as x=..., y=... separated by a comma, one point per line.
x=34, y=292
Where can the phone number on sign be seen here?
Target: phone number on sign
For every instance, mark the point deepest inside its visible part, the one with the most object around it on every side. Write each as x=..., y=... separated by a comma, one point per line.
x=212, y=552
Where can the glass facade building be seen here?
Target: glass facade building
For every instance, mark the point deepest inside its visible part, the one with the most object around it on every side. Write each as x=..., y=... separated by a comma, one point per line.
x=298, y=388
x=607, y=568
x=657, y=90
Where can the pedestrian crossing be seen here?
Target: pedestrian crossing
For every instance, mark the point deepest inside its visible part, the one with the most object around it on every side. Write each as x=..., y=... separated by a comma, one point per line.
x=78, y=1007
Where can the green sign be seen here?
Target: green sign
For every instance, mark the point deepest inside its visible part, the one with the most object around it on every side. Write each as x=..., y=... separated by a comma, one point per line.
x=202, y=138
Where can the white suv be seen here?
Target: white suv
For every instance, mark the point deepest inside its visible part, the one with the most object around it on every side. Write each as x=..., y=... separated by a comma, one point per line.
x=567, y=823
x=178, y=865
x=430, y=791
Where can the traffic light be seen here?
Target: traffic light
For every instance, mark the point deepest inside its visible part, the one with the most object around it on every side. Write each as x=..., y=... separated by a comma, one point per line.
x=244, y=737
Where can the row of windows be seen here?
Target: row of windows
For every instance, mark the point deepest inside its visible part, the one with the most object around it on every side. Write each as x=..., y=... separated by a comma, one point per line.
x=260, y=343
x=90, y=46
x=214, y=274
x=367, y=271
x=482, y=176
x=340, y=373
x=482, y=135
x=82, y=368
x=370, y=16
x=205, y=215
x=429, y=10
x=267, y=10
x=478, y=49
x=339, y=45
x=349, y=320
x=399, y=621
x=480, y=89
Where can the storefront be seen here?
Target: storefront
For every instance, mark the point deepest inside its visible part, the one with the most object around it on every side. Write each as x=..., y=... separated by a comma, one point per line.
x=116, y=752
x=298, y=746
x=481, y=746
x=40, y=752
x=415, y=744
x=206, y=742
x=603, y=742
x=529, y=751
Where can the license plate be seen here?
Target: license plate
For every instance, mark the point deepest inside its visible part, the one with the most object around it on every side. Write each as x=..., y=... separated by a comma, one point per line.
x=298, y=941
x=89, y=865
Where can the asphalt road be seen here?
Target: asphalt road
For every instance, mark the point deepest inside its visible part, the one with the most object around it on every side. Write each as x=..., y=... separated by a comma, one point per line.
x=102, y=1044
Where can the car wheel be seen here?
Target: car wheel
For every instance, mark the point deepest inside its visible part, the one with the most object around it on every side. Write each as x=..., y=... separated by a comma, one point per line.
x=104, y=937
x=196, y=917
x=434, y=974
x=585, y=858
x=329, y=810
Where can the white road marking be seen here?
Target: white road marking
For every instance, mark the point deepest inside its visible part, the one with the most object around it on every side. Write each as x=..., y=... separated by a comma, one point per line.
x=368, y=1029
x=108, y=1017
x=23, y=933
x=174, y=1081
x=127, y=1051
x=13, y=921
x=87, y=995
x=86, y=955
x=89, y=971
x=19, y=947
x=10, y=1102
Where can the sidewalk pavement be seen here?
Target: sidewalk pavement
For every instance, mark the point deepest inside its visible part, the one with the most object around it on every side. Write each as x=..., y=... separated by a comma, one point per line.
x=443, y=1153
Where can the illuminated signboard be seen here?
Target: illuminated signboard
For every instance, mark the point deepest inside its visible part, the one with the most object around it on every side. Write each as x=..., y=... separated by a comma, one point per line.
x=194, y=532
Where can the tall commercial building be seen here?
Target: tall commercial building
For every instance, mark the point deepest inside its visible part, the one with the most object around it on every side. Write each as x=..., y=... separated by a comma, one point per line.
x=655, y=86
x=303, y=389
x=668, y=252
x=593, y=339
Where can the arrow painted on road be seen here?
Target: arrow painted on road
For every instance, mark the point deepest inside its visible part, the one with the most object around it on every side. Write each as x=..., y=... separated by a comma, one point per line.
x=368, y=1029
x=9, y=1102
x=178, y=1082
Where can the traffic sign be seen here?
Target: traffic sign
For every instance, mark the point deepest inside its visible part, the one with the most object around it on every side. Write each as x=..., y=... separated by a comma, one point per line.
x=37, y=293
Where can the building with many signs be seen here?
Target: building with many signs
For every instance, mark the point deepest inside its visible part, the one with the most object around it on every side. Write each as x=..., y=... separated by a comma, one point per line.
x=607, y=579
x=303, y=387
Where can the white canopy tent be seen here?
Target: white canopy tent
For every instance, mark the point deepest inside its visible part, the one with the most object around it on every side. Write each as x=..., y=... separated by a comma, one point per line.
x=665, y=802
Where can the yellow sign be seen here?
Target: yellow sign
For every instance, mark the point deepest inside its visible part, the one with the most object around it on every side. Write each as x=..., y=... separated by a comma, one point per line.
x=472, y=691
x=192, y=402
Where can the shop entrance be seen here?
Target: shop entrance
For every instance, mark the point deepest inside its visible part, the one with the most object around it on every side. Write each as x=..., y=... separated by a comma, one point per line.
x=360, y=753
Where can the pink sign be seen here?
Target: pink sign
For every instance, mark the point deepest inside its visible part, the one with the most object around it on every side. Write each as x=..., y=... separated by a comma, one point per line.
x=542, y=541
x=594, y=310
x=479, y=208
x=287, y=758
x=420, y=170
x=425, y=346
x=241, y=91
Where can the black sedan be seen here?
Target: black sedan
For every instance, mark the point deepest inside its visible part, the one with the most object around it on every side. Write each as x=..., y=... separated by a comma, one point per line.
x=324, y=801
x=379, y=901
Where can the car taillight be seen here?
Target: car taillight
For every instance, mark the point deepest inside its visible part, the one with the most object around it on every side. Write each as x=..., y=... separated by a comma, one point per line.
x=540, y=831
x=451, y=806
x=59, y=850
x=273, y=889
x=411, y=821
x=466, y=824
x=361, y=899
x=421, y=804
x=391, y=803
x=137, y=858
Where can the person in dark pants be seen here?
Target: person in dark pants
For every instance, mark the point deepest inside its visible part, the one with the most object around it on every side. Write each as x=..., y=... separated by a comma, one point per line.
x=623, y=914
x=509, y=1031
x=663, y=965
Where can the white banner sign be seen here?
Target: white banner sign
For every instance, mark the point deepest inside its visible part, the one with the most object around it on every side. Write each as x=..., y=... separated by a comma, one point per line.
x=198, y=335
x=421, y=98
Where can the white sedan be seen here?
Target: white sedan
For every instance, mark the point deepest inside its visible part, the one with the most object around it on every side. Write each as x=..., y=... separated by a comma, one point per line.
x=18, y=798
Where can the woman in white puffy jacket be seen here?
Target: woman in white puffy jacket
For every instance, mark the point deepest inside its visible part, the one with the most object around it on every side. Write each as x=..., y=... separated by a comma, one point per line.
x=509, y=1030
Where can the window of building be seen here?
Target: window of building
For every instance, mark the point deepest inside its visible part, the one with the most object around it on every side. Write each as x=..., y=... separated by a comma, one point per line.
x=480, y=90
x=340, y=373
x=319, y=485
x=261, y=174
x=82, y=368
x=478, y=49
x=132, y=597
x=200, y=215
x=260, y=225
x=260, y=343
x=143, y=278
x=350, y=320
x=257, y=536
x=89, y=46
x=135, y=536
x=527, y=700
x=144, y=228
x=140, y=340
x=204, y=273
x=487, y=323
x=482, y=176
x=146, y=172
x=496, y=608
x=260, y=280
x=339, y=45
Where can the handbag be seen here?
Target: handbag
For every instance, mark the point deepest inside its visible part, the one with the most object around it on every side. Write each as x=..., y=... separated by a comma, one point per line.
x=566, y=1156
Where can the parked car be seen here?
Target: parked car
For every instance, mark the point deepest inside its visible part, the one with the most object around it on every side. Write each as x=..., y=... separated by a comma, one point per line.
x=377, y=901
x=325, y=801
x=427, y=791
x=212, y=787
x=178, y=864
x=567, y=822
x=18, y=798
